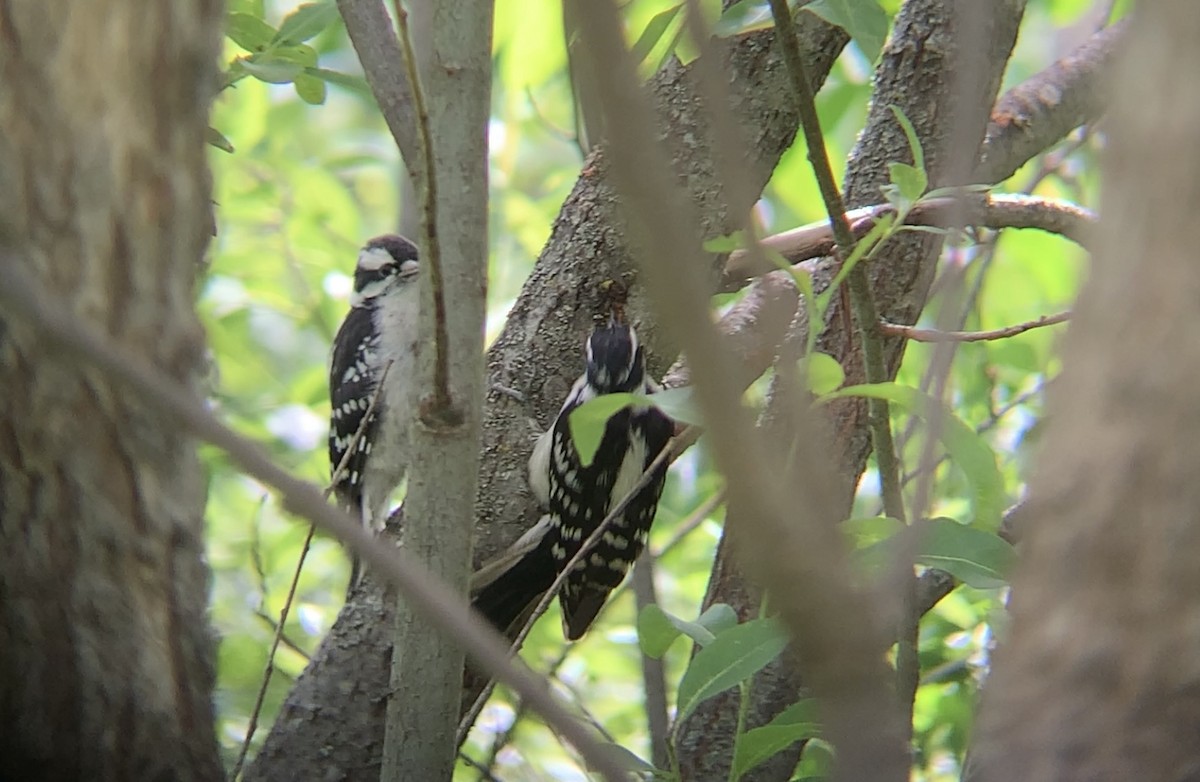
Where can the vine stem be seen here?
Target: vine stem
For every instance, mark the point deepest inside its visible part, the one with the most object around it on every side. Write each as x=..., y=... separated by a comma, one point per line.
x=441, y=406
x=878, y=416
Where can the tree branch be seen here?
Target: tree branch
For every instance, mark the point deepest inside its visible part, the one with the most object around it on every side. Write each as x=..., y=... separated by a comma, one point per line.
x=1043, y=109
x=995, y=212
x=374, y=38
x=933, y=335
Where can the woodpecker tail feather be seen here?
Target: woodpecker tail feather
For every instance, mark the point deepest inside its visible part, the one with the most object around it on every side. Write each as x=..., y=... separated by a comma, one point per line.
x=506, y=589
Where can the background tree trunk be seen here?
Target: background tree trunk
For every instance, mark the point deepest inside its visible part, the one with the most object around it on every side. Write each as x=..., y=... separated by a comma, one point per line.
x=106, y=670
x=1099, y=678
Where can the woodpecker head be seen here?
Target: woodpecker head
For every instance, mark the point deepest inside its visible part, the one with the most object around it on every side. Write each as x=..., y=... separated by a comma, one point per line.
x=614, y=359
x=385, y=263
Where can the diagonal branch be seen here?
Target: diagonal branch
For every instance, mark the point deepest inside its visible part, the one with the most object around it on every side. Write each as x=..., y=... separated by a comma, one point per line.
x=374, y=38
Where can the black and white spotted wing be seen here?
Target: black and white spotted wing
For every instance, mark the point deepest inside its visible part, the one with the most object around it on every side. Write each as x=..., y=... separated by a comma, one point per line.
x=581, y=498
x=352, y=382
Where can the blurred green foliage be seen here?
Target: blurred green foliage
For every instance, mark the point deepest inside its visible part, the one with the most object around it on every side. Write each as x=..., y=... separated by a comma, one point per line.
x=306, y=184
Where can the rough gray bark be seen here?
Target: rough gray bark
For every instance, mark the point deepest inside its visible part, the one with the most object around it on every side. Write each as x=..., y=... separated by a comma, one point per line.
x=1098, y=677
x=919, y=73
x=106, y=671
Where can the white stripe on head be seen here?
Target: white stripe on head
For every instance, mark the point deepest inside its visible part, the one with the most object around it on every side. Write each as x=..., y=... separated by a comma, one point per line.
x=374, y=258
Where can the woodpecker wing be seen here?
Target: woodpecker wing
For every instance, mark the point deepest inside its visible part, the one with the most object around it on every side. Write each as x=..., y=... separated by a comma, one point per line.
x=352, y=382
x=581, y=499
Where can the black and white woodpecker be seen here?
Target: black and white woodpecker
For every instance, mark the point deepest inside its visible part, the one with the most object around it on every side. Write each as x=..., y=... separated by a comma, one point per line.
x=374, y=361
x=577, y=498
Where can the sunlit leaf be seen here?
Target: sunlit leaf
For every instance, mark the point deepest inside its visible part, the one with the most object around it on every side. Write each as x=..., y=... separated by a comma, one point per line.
x=718, y=618
x=677, y=403
x=273, y=71
x=310, y=88
x=658, y=629
x=909, y=182
x=352, y=82
x=249, y=32
x=653, y=33
x=746, y=16
x=869, y=530
x=307, y=21
x=724, y=244
x=966, y=448
x=587, y=422
x=824, y=374
x=301, y=54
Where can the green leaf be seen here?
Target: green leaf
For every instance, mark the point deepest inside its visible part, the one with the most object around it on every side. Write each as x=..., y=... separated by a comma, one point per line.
x=823, y=373
x=724, y=244
x=677, y=403
x=982, y=559
x=301, y=54
x=273, y=71
x=914, y=143
x=307, y=21
x=798, y=721
x=718, y=618
x=881, y=228
x=217, y=139
x=816, y=761
x=966, y=448
x=249, y=32
x=656, y=632
x=909, y=181
x=653, y=33
x=864, y=20
x=356, y=84
x=869, y=530
x=746, y=16
x=732, y=658
x=587, y=422
x=310, y=88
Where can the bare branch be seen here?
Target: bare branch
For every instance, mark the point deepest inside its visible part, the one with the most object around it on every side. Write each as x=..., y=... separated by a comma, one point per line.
x=933, y=335
x=1043, y=109
x=995, y=212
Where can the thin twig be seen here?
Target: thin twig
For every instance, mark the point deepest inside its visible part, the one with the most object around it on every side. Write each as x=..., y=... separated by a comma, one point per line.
x=443, y=607
x=654, y=675
x=863, y=304
x=442, y=408
x=934, y=335
x=485, y=773
x=548, y=596
x=338, y=474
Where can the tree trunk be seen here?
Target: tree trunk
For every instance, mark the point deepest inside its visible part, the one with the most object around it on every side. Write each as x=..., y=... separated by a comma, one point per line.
x=1099, y=678
x=107, y=664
